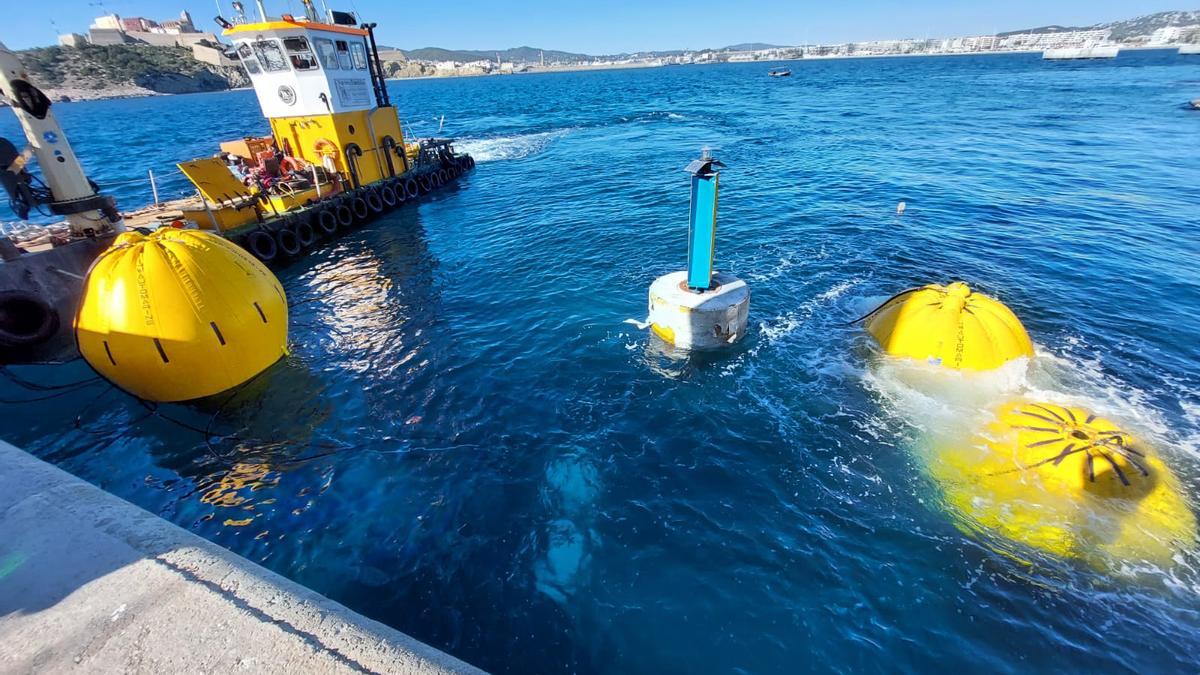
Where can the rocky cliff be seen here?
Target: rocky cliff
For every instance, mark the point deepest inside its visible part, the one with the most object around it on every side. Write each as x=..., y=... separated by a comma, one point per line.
x=94, y=71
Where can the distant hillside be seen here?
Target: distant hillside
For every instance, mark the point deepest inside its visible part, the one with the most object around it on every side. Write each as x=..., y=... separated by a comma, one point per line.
x=1126, y=29
x=514, y=55
x=750, y=47
x=1145, y=25
x=1040, y=30
x=1121, y=30
x=92, y=71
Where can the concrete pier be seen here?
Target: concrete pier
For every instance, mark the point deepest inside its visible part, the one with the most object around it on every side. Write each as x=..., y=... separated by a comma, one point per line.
x=91, y=583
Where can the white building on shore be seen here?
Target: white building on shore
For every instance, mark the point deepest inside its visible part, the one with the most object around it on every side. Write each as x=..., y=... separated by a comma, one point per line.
x=1172, y=35
x=1043, y=41
x=111, y=29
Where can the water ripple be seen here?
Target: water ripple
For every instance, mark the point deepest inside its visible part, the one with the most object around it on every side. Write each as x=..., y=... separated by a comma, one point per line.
x=470, y=444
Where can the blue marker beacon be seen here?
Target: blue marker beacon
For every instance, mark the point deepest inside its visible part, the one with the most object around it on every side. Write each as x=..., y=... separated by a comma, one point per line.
x=702, y=221
x=700, y=308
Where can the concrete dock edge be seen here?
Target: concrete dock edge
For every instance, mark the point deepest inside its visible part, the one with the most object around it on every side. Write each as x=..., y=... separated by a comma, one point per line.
x=92, y=583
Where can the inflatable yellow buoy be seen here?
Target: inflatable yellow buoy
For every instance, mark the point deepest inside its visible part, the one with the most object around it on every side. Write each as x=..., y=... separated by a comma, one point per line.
x=1069, y=483
x=179, y=315
x=949, y=326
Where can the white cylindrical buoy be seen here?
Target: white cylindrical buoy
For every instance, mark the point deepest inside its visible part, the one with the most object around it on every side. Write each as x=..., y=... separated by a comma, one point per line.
x=707, y=319
x=700, y=308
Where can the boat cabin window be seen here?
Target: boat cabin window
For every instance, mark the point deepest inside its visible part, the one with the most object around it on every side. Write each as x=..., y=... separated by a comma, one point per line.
x=270, y=55
x=360, y=55
x=343, y=53
x=248, y=59
x=325, y=49
x=300, y=53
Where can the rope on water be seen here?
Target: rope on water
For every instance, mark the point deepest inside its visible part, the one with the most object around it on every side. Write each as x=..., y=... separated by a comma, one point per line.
x=882, y=305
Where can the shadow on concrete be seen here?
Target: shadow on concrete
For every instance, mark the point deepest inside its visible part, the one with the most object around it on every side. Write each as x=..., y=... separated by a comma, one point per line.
x=87, y=579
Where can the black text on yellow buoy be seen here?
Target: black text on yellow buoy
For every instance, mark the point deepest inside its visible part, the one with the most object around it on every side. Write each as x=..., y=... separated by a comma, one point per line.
x=178, y=315
x=949, y=326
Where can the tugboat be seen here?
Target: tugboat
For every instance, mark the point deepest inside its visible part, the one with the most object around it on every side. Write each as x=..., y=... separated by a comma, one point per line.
x=336, y=156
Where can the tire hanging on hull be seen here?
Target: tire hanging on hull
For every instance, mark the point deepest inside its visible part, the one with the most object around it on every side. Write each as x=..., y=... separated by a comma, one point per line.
x=288, y=242
x=26, y=320
x=262, y=246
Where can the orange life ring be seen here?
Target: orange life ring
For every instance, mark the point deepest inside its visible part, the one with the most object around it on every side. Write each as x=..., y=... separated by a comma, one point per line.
x=324, y=146
x=329, y=154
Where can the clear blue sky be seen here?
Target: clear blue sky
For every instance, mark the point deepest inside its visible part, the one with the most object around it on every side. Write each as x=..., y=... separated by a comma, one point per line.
x=612, y=26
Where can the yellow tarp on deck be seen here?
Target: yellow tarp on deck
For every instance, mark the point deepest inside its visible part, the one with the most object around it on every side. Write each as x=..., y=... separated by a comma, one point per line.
x=215, y=181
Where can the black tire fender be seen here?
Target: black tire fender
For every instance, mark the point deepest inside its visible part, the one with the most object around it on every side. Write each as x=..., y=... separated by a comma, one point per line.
x=388, y=194
x=359, y=206
x=305, y=233
x=289, y=243
x=262, y=246
x=374, y=201
x=26, y=319
x=345, y=216
x=326, y=220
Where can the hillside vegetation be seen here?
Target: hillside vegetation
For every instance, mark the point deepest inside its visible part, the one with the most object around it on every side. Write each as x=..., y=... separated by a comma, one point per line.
x=1126, y=29
x=92, y=71
x=1145, y=25
x=131, y=67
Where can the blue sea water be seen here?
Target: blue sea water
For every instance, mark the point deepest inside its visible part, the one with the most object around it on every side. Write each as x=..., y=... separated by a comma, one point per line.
x=468, y=443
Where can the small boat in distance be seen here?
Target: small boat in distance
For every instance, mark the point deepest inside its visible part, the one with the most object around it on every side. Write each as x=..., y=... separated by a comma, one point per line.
x=1189, y=50
x=780, y=72
x=1092, y=51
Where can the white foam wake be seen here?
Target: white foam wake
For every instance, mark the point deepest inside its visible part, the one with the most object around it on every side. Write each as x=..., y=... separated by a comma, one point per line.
x=939, y=400
x=501, y=148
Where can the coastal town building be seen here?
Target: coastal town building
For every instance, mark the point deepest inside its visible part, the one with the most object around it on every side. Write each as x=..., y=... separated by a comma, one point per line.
x=112, y=29
x=108, y=22
x=1054, y=40
x=1170, y=35
x=106, y=36
x=72, y=40
x=137, y=25
x=213, y=55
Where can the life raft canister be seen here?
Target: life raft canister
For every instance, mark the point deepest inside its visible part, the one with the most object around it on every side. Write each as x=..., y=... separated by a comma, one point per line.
x=950, y=326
